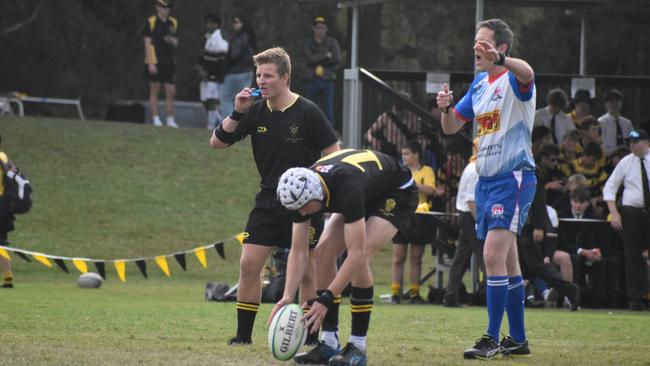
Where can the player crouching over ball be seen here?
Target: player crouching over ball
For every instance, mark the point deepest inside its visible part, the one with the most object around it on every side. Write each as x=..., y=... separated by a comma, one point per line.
x=370, y=196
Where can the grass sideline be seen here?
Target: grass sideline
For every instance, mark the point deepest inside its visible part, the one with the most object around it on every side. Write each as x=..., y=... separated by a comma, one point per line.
x=111, y=190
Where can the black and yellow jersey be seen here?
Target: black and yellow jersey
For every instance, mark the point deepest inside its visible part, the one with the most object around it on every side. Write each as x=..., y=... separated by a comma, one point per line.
x=283, y=139
x=354, y=179
x=4, y=161
x=157, y=30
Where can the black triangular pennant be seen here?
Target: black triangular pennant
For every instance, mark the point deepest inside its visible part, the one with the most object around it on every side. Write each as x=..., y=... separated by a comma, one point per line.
x=23, y=256
x=180, y=258
x=142, y=265
x=219, y=248
x=101, y=268
x=59, y=262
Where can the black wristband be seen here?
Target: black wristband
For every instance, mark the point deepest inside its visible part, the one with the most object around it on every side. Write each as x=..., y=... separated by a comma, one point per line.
x=446, y=109
x=225, y=136
x=502, y=59
x=235, y=116
x=326, y=298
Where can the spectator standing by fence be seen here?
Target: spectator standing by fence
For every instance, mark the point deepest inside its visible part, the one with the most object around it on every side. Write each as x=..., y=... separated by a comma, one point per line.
x=323, y=56
x=241, y=48
x=553, y=116
x=614, y=127
x=160, y=42
x=633, y=219
x=212, y=68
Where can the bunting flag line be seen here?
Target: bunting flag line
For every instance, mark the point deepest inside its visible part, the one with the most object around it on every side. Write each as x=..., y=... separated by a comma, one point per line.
x=200, y=255
x=59, y=262
x=142, y=265
x=81, y=263
x=5, y=254
x=180, y=258
x=162, y=263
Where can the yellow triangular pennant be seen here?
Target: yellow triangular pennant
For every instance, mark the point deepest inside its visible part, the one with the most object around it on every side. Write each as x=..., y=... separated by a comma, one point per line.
x=162, y=263
x=80, y=264
x=241, y=236
x=200, y=254
x=42, y=258
x=5, y=254
x=120, y=268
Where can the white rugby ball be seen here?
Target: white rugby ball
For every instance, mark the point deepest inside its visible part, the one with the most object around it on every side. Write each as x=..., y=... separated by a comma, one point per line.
x=90, y=280
x=287, y=333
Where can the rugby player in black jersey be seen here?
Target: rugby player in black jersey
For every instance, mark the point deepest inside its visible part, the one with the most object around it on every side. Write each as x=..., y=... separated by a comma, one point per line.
x=286, y=130
x=370, y=196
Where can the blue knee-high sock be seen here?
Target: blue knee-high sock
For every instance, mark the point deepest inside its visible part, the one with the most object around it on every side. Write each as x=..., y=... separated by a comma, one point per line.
x=515, y=308
x=497, y=292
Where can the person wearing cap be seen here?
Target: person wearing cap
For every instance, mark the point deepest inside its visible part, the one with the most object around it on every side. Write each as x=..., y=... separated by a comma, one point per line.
x=581, y=105
x=370, y=196
x=614, y=127
x=211, y=67
x=633, y=219
x=160, y=42
x=553, y=116
x=242, y=45
x=323, y=57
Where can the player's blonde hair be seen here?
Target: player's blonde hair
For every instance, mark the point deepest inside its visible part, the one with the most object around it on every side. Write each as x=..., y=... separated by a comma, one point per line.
x=276, y=56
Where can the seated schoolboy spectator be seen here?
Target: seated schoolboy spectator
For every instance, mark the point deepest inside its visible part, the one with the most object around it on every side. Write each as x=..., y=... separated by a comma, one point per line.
x=582, y=242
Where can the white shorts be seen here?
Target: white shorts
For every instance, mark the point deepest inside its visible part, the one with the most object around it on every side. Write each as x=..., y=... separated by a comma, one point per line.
x=209, y=90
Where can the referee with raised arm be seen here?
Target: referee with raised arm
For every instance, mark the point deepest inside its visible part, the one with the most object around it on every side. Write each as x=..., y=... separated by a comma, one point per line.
x=634, y=216
x=286, y=131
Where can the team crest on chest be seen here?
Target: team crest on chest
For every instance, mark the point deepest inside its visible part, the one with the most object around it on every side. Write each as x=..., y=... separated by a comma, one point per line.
x=388, y=207
x=294, y=133
x=497, y=94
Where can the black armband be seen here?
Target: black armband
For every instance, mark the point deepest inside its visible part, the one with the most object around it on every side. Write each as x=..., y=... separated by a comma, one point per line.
x=225, y=136
x=502, y=59
x=235, y=116
x=326, y=298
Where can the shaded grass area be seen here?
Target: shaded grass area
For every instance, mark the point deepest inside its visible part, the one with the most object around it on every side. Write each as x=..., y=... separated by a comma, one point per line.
x=111, y=190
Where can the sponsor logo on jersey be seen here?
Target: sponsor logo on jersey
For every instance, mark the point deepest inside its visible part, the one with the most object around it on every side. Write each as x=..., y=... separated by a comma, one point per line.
x=323, y=168
x=312, y=236
x=497, y=210
x=488, y=122
x=262, y=129
x=497, y=94
x=388, y=207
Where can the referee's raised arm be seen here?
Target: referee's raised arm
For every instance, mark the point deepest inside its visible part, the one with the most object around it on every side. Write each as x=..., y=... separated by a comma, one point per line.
x=445, y=99
x=224, y=134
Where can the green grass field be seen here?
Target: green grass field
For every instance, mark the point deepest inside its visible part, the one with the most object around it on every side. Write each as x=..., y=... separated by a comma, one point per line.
x=110, y=190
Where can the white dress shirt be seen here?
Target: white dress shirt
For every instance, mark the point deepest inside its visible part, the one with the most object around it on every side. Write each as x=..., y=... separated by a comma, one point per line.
x=628, y=172
x=466, y=187
x=563, y=123
x=608, y=130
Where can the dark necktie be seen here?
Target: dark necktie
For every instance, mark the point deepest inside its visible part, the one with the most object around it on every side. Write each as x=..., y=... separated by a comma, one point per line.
x=646, y=188
x=553, y=133
x=619, y=133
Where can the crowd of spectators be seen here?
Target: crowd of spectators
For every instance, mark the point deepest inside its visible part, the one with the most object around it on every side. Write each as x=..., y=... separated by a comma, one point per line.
x=571, y=252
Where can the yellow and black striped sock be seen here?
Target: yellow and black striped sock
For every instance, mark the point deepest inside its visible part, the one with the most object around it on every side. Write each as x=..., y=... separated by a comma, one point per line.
x=361, y=301
x=395, y=289
x=414, y=290
x=246, y=313
x=8, y=277
x=331, y=320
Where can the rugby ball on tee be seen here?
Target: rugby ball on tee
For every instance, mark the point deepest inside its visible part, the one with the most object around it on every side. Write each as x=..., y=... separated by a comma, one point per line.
x=287, y=333
x=90, y=280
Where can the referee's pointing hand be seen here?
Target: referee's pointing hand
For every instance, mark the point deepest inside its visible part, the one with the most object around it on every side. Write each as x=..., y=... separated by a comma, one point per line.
x=243, y=100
